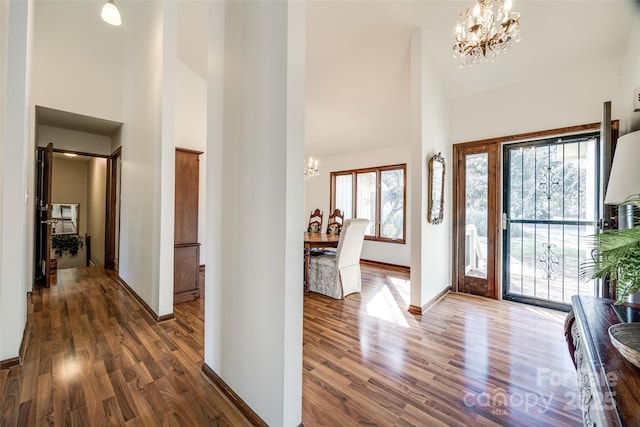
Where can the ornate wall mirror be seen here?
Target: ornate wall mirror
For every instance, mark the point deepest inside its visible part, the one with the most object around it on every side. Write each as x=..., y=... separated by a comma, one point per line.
x=436, y=189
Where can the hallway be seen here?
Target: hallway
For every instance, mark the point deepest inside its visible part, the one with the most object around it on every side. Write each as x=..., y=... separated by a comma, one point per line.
x=94, y=357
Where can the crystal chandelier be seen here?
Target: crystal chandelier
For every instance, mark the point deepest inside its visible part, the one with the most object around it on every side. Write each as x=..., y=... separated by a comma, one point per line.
x=488, y=29
x=311, y=170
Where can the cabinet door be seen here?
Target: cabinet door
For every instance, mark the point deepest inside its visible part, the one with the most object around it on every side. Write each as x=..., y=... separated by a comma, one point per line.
x=186, y=197
x=185, y=273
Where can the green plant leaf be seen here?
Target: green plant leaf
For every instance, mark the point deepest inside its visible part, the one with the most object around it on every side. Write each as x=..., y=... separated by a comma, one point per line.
x=66, y=243
x=616, y=256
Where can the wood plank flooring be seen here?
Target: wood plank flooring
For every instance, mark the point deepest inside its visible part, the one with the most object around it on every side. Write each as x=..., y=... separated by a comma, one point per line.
x=469, y=361
x=96, y=358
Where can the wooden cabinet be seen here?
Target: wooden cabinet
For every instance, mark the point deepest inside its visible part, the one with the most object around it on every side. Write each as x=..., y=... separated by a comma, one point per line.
x=186, y=252
x=609, y=384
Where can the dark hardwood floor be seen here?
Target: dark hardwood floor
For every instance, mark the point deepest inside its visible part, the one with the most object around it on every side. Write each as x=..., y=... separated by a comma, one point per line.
x=95, y=358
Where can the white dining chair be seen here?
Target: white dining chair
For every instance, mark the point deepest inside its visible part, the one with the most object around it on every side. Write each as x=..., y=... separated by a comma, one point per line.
x=339, y=275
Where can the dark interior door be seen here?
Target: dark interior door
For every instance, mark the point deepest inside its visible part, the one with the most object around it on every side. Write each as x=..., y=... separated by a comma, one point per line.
x=43, y=215
x=112, y=228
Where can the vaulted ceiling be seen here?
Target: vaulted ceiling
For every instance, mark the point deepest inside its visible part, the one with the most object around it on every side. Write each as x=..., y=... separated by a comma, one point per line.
x=358, y=60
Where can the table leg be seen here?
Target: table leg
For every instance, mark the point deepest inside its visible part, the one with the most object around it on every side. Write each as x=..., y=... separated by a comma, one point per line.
x=307, y=254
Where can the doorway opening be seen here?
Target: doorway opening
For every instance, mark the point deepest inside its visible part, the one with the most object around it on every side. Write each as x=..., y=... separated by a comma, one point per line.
x=72, y=207
x=72, y=187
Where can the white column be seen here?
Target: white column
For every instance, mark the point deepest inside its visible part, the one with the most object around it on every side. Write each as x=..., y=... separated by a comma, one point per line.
x=165, y=172
x=417, y=171
x=14, y=76
x=294, y=207
x=214, y=171
x=430, y=244
x=253, y=324
x=148, y=144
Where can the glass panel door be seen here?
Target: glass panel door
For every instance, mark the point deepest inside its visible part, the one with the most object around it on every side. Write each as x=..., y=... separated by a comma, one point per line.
x=476, y=218
x=550, y=207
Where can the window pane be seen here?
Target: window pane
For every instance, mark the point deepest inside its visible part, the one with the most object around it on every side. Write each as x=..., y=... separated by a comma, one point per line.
x=476, y=214
x=366, y=200
x=392, y=204
x=344, y=195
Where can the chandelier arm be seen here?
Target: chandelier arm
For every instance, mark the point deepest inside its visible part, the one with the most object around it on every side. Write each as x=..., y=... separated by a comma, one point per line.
x=486, y=30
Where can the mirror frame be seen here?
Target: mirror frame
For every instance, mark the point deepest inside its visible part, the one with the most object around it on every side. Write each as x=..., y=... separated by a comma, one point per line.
x=437, y=216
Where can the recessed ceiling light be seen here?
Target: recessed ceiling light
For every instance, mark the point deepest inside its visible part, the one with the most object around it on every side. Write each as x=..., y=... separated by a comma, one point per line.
x=70, y=154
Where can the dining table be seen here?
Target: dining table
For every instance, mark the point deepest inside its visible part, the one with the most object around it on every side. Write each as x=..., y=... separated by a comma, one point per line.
x=319, y=241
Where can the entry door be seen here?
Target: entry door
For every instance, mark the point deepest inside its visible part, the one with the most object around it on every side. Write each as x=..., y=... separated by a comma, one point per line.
x=43, y=215
x=551, y=198
x=476, y=227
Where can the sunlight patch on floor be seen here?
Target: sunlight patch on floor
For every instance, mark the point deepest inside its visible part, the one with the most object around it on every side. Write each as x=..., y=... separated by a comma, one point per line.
x=384, y=306
x=403, y=287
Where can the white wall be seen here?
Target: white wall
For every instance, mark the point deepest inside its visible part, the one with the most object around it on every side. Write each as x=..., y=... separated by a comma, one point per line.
x=147, y=139
x=632, y=77
x=4, y=53
x=15, y=265
x=255, y=137
x=565, y=98
x=317, y=195
x=191, y=132
x=69, y=185
x=64, y=139
x=96, y=206
x=431, y=244
x=77, y=61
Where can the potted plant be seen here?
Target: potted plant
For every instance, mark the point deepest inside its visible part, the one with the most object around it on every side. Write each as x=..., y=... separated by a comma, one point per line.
x=616, y=255
x=66, y=244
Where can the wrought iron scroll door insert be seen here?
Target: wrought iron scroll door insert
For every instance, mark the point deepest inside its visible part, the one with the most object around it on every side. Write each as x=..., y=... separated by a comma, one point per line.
x=550, y=206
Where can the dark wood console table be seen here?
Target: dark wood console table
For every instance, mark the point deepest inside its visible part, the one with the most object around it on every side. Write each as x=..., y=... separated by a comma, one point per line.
x=609, y=384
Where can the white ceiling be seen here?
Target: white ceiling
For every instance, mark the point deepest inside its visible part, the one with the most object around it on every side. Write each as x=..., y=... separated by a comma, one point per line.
x=358, y=93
